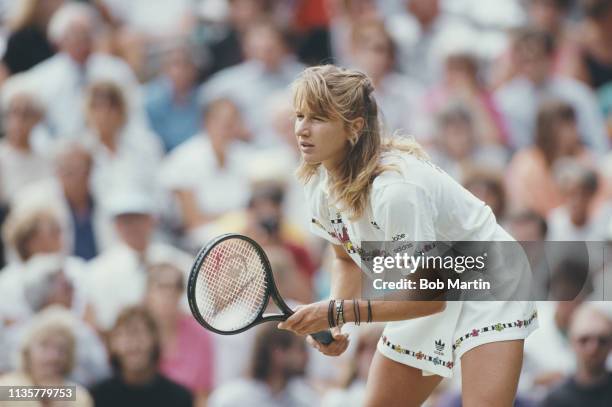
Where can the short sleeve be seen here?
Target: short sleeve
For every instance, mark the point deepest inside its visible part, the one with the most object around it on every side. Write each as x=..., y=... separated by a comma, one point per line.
x=404, y=212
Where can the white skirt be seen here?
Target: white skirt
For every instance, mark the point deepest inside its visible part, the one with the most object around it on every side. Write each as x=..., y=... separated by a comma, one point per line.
x=434, y=343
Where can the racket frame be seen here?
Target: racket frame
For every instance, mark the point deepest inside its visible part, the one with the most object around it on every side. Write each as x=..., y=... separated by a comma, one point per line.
x=271, y=289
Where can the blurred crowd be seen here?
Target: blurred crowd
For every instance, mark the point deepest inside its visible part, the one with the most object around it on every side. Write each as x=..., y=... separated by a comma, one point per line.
x=134, y=131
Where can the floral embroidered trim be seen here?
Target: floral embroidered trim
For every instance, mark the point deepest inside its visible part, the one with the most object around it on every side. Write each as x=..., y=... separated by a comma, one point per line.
x=418, y=355
x=519, y=323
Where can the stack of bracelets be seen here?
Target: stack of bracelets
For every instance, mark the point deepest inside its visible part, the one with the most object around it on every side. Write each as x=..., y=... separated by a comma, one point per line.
x=338, y=319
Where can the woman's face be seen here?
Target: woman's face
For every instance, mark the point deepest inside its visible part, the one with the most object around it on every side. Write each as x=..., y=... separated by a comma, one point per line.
x=48, y=356
x=373, y=53
x=164, y=294
x=47, y=239
x=20, y=119
x=568, y=138
x=105, y=115
x=321, y=140
x=133, y=343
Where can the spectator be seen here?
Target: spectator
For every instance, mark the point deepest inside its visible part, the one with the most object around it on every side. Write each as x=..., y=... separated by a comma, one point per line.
x=457, y=150
x=550, y=16
x=229, y=49
x=489, y=187
x=28, y=32
x=356, y=375
x=548, y=357
x=60, y=81
x=269, y=67
x=134, y=215
x=527, y=226
x=213, y=160
x=577, y=219
x=171, y=100
x=85, y=226
x=19, y=163
x=186, y=348
x=47, y=358
x=278, y=360
x=52, y=282
x=419, y=36
x=135, y=348
x=120, y=147
x=530, y=175
x=593, y=64
x=590, y=334
x=31, y=232
x=399, y=97
x=462, y=85
x=518, y=99
x=345, y=17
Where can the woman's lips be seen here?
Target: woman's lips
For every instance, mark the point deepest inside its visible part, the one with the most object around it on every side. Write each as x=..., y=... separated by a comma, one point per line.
x=306, y=147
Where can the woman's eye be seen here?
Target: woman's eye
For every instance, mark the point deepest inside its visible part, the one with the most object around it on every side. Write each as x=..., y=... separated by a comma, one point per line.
x=299, y=116
x=317, y=119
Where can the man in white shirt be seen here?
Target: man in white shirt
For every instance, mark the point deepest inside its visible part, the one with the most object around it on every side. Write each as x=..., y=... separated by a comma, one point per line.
x=519, y=99
x=117, y=277
x=61, y=79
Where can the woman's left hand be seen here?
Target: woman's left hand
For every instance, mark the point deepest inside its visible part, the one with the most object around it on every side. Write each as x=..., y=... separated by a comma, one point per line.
x=308, y=319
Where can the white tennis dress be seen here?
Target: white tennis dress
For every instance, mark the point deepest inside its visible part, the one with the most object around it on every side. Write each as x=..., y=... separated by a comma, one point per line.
x=423, y=203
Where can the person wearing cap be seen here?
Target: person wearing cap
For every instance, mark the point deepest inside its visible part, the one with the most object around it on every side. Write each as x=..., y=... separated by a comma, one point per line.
x=117, y=277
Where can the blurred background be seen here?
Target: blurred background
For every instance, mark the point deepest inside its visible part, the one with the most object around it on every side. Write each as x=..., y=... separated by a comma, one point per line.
x=134, y=131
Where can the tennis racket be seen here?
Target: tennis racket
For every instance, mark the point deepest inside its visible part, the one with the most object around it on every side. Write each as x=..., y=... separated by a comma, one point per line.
x=230, y=286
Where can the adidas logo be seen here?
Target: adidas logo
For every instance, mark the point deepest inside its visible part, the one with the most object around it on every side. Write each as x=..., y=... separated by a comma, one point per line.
x=439, y=345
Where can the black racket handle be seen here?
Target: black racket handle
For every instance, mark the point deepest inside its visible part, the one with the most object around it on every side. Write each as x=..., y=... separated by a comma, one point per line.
x=323, y=337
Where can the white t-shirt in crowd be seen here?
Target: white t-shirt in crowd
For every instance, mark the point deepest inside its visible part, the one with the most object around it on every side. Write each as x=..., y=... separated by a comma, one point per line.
x=194, y=166
x=18, y=169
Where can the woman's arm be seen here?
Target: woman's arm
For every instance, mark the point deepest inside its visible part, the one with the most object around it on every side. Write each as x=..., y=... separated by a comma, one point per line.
x=345, y=275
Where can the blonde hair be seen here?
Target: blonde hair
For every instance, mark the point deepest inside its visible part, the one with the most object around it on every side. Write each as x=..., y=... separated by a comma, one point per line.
x=54, y=320
x=22, y=225
x=347, y=95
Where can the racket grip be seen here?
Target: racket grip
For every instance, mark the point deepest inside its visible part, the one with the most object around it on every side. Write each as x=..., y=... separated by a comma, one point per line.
x=323, y=337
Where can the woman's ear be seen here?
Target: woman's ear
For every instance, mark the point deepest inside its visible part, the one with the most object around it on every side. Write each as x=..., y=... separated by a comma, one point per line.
x=357, y=125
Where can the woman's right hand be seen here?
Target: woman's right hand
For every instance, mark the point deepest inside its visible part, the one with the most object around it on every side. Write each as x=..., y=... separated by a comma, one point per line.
x=337, y=347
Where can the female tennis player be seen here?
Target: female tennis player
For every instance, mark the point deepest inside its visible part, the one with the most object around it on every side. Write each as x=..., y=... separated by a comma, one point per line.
x=363, y=187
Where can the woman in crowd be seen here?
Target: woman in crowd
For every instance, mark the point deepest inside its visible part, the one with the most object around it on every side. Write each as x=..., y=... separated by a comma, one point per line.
x=187, y=355
x=135, y=350
x=47, y=358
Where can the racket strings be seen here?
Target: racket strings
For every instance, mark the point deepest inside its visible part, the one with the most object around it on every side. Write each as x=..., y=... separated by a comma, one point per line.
x=231, y=285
